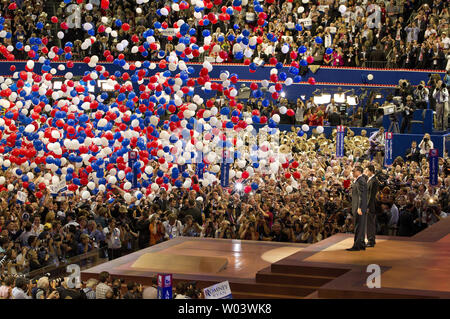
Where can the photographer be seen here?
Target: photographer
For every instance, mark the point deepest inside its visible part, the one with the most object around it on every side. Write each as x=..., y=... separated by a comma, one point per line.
x=403, y=89
x=408, y=112
x=440, y=94
x=421, y=96
x=425, y=145
x=249, y=231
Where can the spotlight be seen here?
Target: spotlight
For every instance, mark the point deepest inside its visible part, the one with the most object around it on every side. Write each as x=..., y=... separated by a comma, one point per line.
x=239, y=186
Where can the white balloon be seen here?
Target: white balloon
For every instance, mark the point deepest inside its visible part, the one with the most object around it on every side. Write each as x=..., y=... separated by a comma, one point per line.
x=319, y=129
x=370, y=77
x=305, y=127
x=85, y=195
x=342, y=9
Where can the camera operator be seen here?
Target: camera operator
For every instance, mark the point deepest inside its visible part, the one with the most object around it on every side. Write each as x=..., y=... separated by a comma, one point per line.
x=403, y=89
x=421, y=94
x=407, y=112
x=426, y=145
x=440, y=94
x=377, y=145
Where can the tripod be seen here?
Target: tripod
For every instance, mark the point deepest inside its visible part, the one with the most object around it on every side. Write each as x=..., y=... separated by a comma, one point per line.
x=393, y=127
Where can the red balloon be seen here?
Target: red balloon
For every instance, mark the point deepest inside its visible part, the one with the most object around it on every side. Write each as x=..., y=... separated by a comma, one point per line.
x=245, y=174
x=105, y=4
x=247, y=189
x=290, y=112
x=312, y=81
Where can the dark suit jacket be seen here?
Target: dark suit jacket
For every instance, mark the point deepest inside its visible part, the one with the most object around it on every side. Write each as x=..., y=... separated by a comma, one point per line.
x=372, y=190
x=415, y=156
x=359, y=195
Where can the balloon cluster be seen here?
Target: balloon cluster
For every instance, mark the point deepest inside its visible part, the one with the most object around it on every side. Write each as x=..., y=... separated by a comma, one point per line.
x=74, y=137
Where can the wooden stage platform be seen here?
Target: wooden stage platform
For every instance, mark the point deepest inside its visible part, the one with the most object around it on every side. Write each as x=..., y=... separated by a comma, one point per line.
x=416, y=267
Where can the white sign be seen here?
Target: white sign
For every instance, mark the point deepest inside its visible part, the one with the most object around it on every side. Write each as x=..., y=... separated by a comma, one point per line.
x=220, y=291
x=168, y=32
x=55, y=189
x=21, y=196
x=306, y=22
x=322, y=8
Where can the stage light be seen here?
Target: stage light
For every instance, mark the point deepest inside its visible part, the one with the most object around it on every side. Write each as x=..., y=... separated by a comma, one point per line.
x=57, y=85
x=106, y=86
x=352, y=100
x=283, y=94
x=91, y=88
x=339, y=97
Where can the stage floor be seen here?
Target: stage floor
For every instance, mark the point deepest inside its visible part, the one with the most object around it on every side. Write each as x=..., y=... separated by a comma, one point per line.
x=244, y=259
x=416, y=267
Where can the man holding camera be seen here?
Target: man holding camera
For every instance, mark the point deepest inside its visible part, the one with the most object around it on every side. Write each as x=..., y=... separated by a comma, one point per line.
x=408, y=112
x=421, y=96
x=440, y=94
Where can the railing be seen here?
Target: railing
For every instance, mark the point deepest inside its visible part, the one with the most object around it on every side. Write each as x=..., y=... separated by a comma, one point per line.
x=375, y=64
x=86, y=260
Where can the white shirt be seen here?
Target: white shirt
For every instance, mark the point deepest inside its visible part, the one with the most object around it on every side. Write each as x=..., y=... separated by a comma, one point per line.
x=114, y=240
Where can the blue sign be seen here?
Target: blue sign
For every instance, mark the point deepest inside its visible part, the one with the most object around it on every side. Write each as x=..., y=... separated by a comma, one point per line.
x=200, y=168
x=388, y=142
x=225, y=174
x=340, y=134
x=164, y=286
x=434, y=166
x=132, y=158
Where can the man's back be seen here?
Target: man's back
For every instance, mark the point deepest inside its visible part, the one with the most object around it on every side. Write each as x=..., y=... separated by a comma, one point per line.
x=101, y=290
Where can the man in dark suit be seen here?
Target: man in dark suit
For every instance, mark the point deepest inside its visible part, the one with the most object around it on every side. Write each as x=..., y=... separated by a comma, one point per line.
x=359, y=208
x=413, y=153
x=371, y=217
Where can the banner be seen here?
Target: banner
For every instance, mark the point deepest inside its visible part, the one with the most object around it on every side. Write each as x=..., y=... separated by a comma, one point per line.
x=434, y=166
x=388, y=142
x=168, y=32
x=132, y=158
x=164, y=286
x=306, y=22
x=340, y=134
x=220, y=291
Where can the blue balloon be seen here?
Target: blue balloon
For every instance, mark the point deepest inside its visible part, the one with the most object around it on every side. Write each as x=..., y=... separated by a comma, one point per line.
x=329, y=51
x=298, y=27
x=318, y=40
x=302, y=49
x=225, y=111
x=206, y=33
x=254, y=186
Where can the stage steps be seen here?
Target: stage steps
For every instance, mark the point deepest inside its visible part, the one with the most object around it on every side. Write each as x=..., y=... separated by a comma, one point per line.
x=286, y=281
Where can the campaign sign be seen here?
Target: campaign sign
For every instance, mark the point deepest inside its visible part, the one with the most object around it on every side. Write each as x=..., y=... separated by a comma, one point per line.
x=225, y=174
x=434, y=166
x=132, y=158
x=164, y=286
x=388, y=142
x=220, y=291
x=340, y=134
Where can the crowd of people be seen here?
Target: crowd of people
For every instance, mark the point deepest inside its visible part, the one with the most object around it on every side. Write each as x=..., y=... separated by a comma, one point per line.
x=363, y=33
x=105, y=287
x=297, y=207
x=295, y=190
